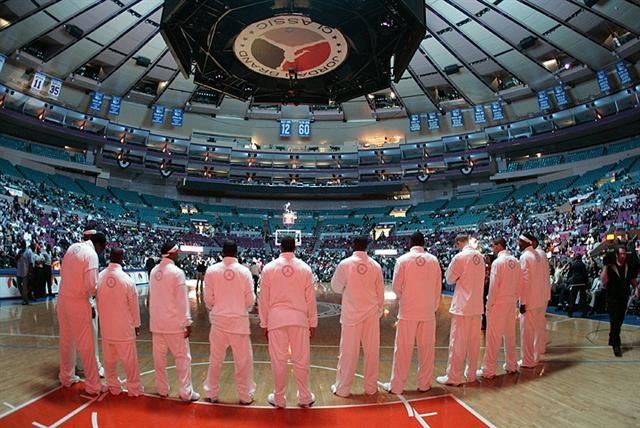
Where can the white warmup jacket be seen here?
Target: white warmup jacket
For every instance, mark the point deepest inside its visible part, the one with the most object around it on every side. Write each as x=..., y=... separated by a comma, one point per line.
x=228, y=294
x=287, y=307
x=169, y=315
x=466, y=271
x=417, y=281
x=79, y=274
x=504, y=283
x=117, y=301
x=359, y=279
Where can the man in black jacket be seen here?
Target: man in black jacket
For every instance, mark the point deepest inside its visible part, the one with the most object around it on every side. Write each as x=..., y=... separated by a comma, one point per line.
x=578, y=281
x=617, y=279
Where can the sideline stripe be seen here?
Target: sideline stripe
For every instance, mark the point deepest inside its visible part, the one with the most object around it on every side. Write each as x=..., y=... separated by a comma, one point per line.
x=94, y=419
x=76, y=411
x=406, y=405
x=30, y=401
x=473, y=412
x=11, y=406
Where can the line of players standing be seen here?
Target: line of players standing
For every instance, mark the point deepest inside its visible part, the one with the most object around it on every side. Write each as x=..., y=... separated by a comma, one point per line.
x=287, y=309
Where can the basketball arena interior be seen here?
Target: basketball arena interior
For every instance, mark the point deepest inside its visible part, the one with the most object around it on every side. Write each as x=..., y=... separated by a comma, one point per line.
x=178, y=130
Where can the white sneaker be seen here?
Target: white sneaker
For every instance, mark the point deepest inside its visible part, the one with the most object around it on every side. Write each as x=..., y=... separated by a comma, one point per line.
x=334, y=390
x=480, y=373
x=101, y=372
x=194, y=397
x=444, y=380
x=504, y=367
x=387, y=387
x=526, y=367
x=271, y=399
x=310, y=403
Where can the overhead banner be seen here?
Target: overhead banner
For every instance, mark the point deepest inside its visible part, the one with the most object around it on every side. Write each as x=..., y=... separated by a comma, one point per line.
x=114, y=105
x=478, y=114
x=561, y=95
x=414, y=123
x=2, y=60
x=55, y=88
x=623, y=73
x=97, y=98
x=457, y=120
x=37, y=84
x=157, y=115
x=433, y=121
x=496, y=110
x=177, y=117
x=603, y=81
x=543, y=101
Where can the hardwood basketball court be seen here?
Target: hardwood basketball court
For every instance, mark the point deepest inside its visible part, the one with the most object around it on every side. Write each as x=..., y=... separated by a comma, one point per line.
x=580, y=383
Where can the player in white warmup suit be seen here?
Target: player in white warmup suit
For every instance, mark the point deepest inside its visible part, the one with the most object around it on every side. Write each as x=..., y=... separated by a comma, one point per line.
x=502, y=300
x=228, y=294
x=466, y=271
x=289, y=317
x=534, y=297
x=170, y=322
x=79, y=275
x=417, y=281
x=359, y=279
x=541, y=345
x=119, y=325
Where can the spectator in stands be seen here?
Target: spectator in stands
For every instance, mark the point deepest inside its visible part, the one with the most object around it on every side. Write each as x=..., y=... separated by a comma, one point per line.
x=117, y=300
x=255, y=269
x=359, y=279
x=229, y=297
x=505, y=276
x=617, y=280
x=46, y=256
x=79, y=275
x=170, y=322
x=466, y=271
x=288, y=316
x=24, y=271
x=417, y=282
x=578, y=281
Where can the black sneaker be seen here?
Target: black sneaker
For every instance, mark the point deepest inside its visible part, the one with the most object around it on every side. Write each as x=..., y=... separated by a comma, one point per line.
x=617, y=351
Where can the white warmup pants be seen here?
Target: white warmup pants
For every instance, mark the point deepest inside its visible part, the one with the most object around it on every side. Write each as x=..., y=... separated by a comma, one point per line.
x=179, y=348
x=280, y=339
x=367, y=332
x=408, y=332
x=532, y=336
x=126, y=353
x=76, y=333
x=501, y=323
x=243, y=362
x=94, y=323
x=464, y=344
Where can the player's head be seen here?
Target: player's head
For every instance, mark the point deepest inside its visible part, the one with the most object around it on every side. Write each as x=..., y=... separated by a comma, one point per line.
x=117, y=255
x=99, y=241
x=498, y=244
x=170, y=250
x=287, y=244
x=229, y=248
x=417, y=239
x=525, y=240
x=360, y=243
x=462, y=241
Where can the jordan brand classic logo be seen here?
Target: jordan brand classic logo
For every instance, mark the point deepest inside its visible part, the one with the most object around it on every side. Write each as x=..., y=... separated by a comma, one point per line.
x=512, y=264
x=420, y=261
x=362, y=268
x=111, y=282
x=229, y=274
x=476, y=259
x=287, y=271
x=158, y=276
x=290, y=44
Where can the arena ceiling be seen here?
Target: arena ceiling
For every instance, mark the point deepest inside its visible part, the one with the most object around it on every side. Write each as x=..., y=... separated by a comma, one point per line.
x=474, y=51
